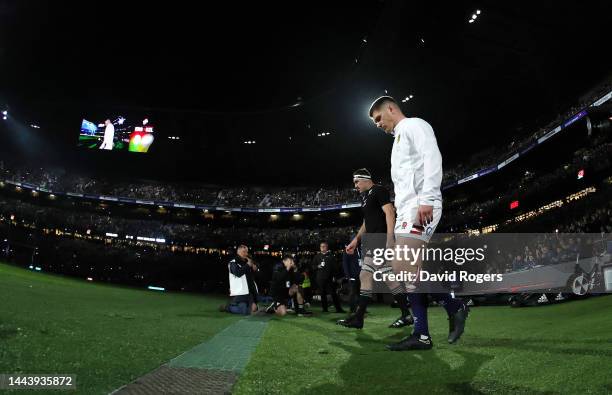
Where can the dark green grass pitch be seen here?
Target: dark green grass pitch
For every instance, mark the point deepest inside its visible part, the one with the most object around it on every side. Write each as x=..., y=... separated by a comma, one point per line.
x=106, y=335
x=110, y=335
x=565, y=348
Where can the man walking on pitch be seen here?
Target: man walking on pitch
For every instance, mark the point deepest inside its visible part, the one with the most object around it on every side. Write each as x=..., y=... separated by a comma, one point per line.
x=378, y=217
x=416, y=171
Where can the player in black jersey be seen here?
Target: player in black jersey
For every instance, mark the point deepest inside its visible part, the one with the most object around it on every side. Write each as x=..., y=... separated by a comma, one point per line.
x=285, y=284
x=378, y=217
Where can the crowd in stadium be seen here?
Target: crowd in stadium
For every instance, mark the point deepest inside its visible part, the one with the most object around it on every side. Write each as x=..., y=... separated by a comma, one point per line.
x=522, y=139
x=548, y=249
x=59, y=180
x=577, y=217
x=595, y=158
x=198, y=234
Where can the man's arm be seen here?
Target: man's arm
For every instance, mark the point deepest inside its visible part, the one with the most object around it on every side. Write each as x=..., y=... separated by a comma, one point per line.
x=252, y=264
x=389, y=211
x=314, y=266
x=236, y=269
x=361, y=231
x=350, y=249
x=424, y=138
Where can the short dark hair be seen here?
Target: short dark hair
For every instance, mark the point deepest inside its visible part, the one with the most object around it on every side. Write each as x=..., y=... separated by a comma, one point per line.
x=324, y=242
x=378, y=103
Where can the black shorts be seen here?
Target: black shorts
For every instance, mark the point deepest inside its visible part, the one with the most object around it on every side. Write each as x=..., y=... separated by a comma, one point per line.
x=281, y=299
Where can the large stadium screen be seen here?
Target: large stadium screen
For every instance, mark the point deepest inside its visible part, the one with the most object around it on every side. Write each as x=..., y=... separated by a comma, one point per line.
x=117, y=134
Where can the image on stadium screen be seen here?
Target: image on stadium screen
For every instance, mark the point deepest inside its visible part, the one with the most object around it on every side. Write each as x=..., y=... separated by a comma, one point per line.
x=117, y=134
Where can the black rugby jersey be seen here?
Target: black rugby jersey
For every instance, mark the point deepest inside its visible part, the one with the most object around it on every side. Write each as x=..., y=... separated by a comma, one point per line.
x=372, y=202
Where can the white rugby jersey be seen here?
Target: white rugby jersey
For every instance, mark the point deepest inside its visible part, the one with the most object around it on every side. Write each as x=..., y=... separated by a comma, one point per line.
x=416, y=165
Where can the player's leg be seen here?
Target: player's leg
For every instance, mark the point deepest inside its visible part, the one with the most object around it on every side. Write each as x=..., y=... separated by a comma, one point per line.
x=296, y=292
x=419, y=339
x=366, y=279
x=401, y=297
x=323, y=289
x=238, y=305
x=416, y=239
x=335, y=296
x=281, y=310
x=398, y=291
x=355, y=285
x=411, y=239
x=457, y=311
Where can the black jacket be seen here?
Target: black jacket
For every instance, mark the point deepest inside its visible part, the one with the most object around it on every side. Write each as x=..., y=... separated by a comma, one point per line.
x=239, y=267
x=325, y=265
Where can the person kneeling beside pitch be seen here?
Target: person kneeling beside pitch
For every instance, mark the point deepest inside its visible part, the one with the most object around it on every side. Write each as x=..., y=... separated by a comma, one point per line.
x=285, y=285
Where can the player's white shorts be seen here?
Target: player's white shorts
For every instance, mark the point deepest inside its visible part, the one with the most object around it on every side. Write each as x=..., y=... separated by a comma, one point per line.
x=406, y=225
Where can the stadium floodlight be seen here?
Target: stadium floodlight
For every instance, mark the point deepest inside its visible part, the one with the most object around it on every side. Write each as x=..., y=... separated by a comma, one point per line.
x=471, y=21
x=474, y=16
x=35, y=126
x=4, y=112
x=411, y=96
x=477, y=12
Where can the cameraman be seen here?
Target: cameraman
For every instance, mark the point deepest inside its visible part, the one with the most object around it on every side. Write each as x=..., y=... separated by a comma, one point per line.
x=243, y=289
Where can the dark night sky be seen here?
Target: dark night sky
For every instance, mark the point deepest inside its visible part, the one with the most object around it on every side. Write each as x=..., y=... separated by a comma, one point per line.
x=217, y=76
